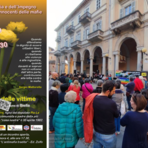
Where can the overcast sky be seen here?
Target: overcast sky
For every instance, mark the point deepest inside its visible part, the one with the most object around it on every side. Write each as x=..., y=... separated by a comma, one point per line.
x=57, y=11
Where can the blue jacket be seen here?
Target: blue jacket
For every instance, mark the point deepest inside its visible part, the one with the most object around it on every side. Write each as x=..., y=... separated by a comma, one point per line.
x=61, y=97
x=130, y=87
x=68, y=125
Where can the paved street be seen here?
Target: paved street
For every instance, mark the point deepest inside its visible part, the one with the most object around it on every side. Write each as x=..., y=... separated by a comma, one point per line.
x=81, y=143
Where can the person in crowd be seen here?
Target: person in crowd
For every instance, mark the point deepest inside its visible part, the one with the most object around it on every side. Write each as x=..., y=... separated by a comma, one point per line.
x=146, y=83
x=87, y=90
x=121, y=85
x=54, y=77
x=105, y=110
x=103, y=78
x=64, y=89
x=110, y=77
x=99, y=87
x=144, y=92
x=68, y=122
x=76, y=88
x=70, y=80
x=138, y=85
x=67, y=79
x=136, y=124
x=80, y=81
x=73, y=79
x=50, y=76
x=62, y=78
x=53, y=103
x=118, y=97
x=129, y=91
x=142, y=79
x=100, y=76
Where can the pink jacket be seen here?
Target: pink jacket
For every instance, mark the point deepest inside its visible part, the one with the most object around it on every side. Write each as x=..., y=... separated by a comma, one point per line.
x=85, y=91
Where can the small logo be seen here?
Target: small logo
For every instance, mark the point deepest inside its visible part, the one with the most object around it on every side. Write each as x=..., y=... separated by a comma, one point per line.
x=14, y=127
x=2, y=127
x=36, y=127
x=26, y=127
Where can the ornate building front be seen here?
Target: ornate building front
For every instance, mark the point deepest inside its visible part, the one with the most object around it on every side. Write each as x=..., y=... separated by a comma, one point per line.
x=104, y=35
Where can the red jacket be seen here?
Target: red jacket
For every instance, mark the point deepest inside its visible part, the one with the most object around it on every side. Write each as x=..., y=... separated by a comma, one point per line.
x=138, y=84
x=88, y=116
x=77, y=90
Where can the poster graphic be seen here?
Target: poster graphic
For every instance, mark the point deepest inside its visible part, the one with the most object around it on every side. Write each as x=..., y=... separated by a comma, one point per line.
x=23, y=73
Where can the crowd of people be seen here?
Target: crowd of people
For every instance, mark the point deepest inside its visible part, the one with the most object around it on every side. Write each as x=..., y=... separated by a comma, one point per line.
x=101, y=114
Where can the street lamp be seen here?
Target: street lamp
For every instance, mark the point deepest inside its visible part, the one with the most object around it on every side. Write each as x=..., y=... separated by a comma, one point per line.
x=144, y=50
x=106, y=55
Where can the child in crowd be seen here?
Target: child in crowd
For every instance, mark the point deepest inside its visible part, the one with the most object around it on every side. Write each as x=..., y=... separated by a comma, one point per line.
x=64, y=89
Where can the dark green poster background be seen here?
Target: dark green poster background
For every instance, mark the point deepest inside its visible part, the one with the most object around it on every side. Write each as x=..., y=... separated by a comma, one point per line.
x=23, y=73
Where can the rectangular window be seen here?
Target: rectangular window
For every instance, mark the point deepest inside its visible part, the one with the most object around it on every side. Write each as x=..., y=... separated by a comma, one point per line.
x=79, y=18
x=99, y=25
x=72, y=23
x=87, y=32
x=128, y=10
x=78, y=36
x=86, y=10
x=98, y=4
x=66, y=43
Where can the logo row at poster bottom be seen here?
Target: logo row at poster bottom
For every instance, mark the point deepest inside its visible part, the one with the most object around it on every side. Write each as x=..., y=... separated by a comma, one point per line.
x=21, y=127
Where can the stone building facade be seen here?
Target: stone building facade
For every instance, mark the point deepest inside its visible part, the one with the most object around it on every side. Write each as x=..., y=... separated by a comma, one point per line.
x=104, y=35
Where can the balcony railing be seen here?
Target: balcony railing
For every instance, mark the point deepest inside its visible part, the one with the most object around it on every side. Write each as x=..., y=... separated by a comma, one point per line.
x=85, y=18
x=57, y=53
x=64, y=49
x=95, y=36
x=70, y=29
x=58, y=39
x=132, y=20
x=76, y=44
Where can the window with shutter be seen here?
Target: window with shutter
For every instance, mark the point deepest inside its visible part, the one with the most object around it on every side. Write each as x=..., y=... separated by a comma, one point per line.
x=98, y=4
x=121, y=13
x=94, y=27
x=101, y=25
x=133, y=6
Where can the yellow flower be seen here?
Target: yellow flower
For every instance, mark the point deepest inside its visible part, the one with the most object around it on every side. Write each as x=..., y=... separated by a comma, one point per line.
x=8, y=36
x=17, y=27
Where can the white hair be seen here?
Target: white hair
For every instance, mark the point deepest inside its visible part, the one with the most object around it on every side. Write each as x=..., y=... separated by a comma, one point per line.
x=70, y=96
x=55, y=83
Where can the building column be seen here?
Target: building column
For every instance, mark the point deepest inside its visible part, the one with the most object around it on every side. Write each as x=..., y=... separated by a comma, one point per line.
x=104, y=65
x=139, y=58
x=82, y=61
x=117, y=62
x=74, y=65
x=91, y=66
x=69, y=67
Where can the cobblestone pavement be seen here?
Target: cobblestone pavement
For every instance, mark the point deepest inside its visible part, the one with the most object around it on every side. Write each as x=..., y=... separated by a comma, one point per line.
x=81, y=143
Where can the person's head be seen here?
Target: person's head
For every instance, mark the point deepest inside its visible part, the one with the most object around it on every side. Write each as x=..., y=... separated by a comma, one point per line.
x=87, y=80
x=74, y=78
x=108, y=88
x=141, y=77
x=118, y=81
x=131, y=79
x=54, y=75
x=117, y=85
x=144, y=92
x=70, y=96
x=76, y=83
x=138, y=102
x=67, y=75
x=64, y=87
x=137, y=76
x=56, y=84
x=99, y=83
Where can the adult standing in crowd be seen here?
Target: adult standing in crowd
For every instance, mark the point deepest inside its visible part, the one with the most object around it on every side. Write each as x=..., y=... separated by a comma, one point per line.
x=142, y=79
x=118, y=97
x=105, y=110
x=75, y=88
x=99, y=87
x=144, y=92
x=68, y=122
x=62, y=78
x=53, y=102
x=64, y=89
x=87, y=90
x=136, y=123
x=54, y=77
x=138, y=85
x=129, y=91
x=67, y=79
